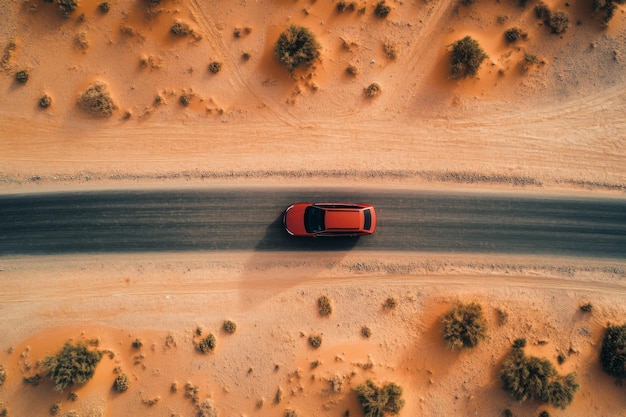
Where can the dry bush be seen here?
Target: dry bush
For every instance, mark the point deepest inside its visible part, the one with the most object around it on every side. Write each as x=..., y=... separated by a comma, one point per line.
x=206, y=409
x=74, y=365
x=22, y=76
x=215, y=67
x=3, y=410
x=467, y=56
x=613, y=352
x=390, y=303
x=542, y=11
x=315, y=340
x=366, y=332
x=558, y=22
x=229, y=326
x=207, y=344
x=352, y=70
x=104, y=7
x=324, y=306
x=54, y=409
x=137, y=343
x=290, y=413
x=278, y=397
x=378, y=401
x=372, y=90
x=80, y=40
x=297, y=46
x=528, y=377
x=44, y=101
x=67, y=7
x=382, y=10
x=586, y=308
x=96, y=100
x=390, y=49
x=528, y=61
x=180, y=29
x=513, y=34
x=607, y=8
x=121, y=383
x=464, y=326
x=3, y=375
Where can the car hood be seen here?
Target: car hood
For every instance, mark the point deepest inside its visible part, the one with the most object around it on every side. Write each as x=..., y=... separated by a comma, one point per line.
x=294, y=219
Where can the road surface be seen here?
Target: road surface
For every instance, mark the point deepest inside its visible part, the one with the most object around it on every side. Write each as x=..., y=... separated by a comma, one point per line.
x=250, y=219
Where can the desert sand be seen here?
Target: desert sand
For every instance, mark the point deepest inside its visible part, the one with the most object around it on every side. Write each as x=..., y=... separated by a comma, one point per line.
x=557, y=128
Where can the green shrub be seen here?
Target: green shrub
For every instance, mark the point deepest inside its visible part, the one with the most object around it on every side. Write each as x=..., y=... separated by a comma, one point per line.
x=45, y=101
x=315, y=340
x=464, y=326
x=528, y=377
x=96, y=100
x=74, y=365
x=513, y=34
x=180, y=29
x=324, y=306
x=297, y=46
x=613, y=352
x=467, y=56
x=378, y=401
x=67, y=7
x=215, y=67
x=22, y=76
x=542, y=11
x=229, y=326
x=527, y=62
x=371, y=91
x=382, y=10
x=291, y=413
x=121, y=383
x=207, y=344
x=558, y=22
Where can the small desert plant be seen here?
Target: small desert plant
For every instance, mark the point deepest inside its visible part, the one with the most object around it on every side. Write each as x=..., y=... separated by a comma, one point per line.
x=246, y=56
x=67, y=7
x=291, y=413
x=366, y=332
x=185, y=99
x=207, y=344
x=352, y=70
x=542, y=11
x=464, y=326
x=390, y=50
x=137, y=343
x=558, y=22
x=467, y=56
x=3, y=375
x=215, y=67
x=527, y=377
x=560, y=358
x=22, y=76
x=324, y=306
x=297, y=46
x=104, y=7
x=607, y=8
x=97, y=100
x=613, y=352
x=342, y=6
x=382, y=10
x=229, y=326
x=44, y=101
x=206, y=409
x=390, y=303
x=527, y=62
x=121, y=383
x=180, y=29
x=507, y=413
x=372, y=90
x=152, y=3
x=513, y=34
x=54, y=409
x=74, y=365
x=72, y=396
x=586, y=308
x=315, y=340
x=278, y=397
x=544, y=414
x=378, y=401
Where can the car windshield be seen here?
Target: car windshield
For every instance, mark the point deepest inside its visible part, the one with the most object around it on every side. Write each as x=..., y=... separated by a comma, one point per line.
x=313, y=219
x=368, y=219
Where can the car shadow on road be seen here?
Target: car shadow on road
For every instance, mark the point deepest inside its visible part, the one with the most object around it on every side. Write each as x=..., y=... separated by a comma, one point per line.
x=281, y=261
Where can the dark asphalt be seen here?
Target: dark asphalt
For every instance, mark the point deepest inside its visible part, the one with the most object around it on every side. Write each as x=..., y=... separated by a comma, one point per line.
x=250, y=219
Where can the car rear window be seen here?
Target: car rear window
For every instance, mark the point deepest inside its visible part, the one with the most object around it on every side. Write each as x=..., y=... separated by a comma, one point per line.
x=368, y=219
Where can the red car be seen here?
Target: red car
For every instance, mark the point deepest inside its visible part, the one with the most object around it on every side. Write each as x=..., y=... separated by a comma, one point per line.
x=329, y=219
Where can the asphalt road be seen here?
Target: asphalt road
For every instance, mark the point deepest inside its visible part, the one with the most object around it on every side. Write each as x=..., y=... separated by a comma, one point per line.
x=250, y=219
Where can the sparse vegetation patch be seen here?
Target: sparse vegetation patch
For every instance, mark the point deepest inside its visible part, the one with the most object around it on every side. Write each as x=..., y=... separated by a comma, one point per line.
x=230, y=326
x=206, y=409
x=121, y=383
x=467, y=56
x=382, y=10
x=180, y=29
x=297, y=46
x=558, y=22
x=613, y=352
x=607, y=9
x=96, y=100
x=67, y=7
x=513, y=34
x=372, y=90
x=74, y=365
x=379, y=401
x=324, y=306
x=207, y=344
x=528, y=377
x=464, y=326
